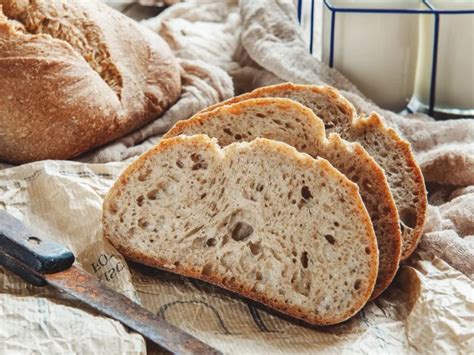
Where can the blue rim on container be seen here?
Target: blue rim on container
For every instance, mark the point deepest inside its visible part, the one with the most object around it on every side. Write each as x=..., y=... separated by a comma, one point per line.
x=429, y=10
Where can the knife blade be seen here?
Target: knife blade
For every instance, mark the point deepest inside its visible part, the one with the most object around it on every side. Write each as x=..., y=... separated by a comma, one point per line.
x=42, y=262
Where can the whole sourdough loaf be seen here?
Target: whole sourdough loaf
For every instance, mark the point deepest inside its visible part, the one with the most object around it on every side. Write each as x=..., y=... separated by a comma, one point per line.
x=75, y=75
x=256, y=218
x=390, y=151
x=290, y=122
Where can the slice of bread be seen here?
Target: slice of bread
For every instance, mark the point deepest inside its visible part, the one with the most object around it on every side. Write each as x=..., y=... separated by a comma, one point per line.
x=290, y=122
x=388, y=149
x=256, y=218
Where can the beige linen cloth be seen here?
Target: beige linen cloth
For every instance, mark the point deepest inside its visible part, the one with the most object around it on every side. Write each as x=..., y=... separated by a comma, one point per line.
x=225, y=48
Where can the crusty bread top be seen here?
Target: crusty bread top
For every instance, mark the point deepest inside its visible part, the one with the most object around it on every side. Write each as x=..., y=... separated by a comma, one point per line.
x=79, y=74
x=242, y=220
x=388, y=149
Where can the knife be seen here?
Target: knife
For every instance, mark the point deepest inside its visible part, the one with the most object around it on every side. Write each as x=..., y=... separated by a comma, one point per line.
x=42, y=262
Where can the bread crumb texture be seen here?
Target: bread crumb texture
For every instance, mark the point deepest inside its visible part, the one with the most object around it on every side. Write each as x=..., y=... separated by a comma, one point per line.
x=389, y=150
x=290, y=122
x=257, y=218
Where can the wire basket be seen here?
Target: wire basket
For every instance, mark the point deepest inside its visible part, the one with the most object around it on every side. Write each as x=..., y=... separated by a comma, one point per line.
x=426, y=8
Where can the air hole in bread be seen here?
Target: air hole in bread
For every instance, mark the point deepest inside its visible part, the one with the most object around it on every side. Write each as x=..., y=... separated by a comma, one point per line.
x=227, y=131
x=151, y=195
x=238, y=137
x=203, y=195
x=357, y=284
x=199, y=162
x=143, y=223
x=241, y=231
x=255, y=248
x=330, y=239
x=408, y=217
x=260, y=115
x=192, y=232
x=221, y=193
x=140, y=200
x=199, y=166
x=367, y=250
x=259, y=276
x=179, y=164
x=336, y=223
x=195, y=157
x=211, y=242
x=304, y=259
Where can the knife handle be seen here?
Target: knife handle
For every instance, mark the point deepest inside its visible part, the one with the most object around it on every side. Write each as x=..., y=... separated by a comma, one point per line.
x=23, y=251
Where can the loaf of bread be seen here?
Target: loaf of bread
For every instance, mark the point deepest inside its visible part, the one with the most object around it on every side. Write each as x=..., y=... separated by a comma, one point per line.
x=290, y=122
x=391, y=152
x=257, y=218
x=75, y=75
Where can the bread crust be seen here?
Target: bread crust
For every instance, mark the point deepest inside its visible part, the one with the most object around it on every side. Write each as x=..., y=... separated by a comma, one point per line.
x=410, y=236
x=388, y=269
x=410, y=241
x=63, y=102
x=304, y=161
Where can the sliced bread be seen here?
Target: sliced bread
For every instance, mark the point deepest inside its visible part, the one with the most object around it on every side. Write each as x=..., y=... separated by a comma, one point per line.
x=290, y=122
x=256, y=218
x=388, y=149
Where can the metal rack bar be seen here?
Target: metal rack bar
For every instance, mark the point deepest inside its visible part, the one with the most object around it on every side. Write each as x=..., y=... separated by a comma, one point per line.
x=434, y=60
x=331, y=44
x=300, y=9
x=311, y=35
x=434, y=67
